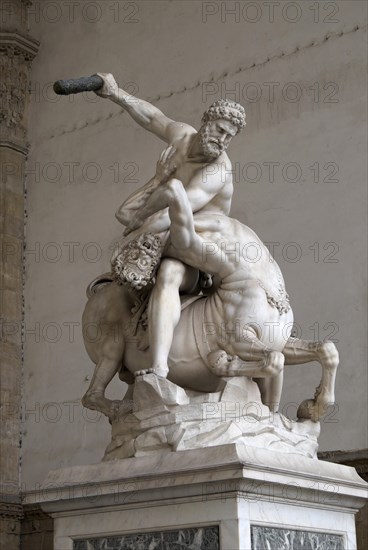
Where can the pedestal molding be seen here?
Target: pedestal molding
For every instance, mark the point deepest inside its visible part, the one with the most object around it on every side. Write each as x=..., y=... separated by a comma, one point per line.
x=205, y=474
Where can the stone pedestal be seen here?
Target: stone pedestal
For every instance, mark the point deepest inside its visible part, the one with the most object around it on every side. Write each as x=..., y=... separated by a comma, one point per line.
x=226, y=497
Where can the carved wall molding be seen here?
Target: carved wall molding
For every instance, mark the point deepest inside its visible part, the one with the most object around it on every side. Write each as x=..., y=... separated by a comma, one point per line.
x=11, y=510
x=19, y=44
x=17, y=50
x=16, y=54
x=34, y=511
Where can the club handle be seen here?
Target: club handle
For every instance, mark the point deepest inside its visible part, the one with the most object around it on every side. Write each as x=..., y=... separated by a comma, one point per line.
x=78, y=85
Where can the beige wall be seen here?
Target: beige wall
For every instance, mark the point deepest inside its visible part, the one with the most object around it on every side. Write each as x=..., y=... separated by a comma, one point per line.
x=178, y=49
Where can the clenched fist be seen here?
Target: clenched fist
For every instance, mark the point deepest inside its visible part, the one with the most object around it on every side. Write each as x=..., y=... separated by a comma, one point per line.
x=110, y=86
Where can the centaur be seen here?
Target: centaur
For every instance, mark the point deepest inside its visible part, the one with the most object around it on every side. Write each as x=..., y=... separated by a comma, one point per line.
x=241, y=329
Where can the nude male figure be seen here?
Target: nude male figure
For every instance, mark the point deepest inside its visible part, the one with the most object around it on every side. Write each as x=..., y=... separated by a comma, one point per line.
x=199, y=161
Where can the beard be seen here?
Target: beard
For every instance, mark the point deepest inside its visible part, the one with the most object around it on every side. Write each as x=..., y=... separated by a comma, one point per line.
x=211, y=149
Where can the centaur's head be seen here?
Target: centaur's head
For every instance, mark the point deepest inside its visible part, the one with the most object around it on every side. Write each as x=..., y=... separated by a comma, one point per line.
x=136, y=264
x=220, y=123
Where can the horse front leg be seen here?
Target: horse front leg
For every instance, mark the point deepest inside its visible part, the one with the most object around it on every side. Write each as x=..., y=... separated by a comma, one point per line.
x=296, y=352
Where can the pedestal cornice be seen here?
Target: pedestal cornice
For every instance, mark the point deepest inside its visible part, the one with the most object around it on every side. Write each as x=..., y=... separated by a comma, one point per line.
x=197, y=474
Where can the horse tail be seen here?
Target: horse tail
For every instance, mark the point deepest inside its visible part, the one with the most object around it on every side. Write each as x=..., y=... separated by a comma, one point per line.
x=98, y=283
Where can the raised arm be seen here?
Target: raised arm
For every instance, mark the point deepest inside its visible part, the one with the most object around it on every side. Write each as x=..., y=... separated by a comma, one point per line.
x=144, y=113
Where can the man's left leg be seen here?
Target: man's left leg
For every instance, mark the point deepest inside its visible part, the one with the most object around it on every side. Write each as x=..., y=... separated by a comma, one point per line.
x=165, y=308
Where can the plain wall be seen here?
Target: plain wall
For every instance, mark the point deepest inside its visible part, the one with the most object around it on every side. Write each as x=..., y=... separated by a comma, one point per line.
x=303, y=86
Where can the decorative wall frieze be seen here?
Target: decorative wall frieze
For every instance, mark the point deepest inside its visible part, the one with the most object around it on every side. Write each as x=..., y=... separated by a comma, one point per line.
x=16, y=54
x=11, y=510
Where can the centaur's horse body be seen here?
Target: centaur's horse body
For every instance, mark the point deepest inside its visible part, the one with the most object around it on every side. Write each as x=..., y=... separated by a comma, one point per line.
x=241, y=329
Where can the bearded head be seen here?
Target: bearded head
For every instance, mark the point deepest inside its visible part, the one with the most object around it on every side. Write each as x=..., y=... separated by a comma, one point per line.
x=224, y=110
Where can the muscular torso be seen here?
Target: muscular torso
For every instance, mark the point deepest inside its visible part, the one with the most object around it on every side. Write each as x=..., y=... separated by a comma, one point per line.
x=193, y=174
x=187, y=168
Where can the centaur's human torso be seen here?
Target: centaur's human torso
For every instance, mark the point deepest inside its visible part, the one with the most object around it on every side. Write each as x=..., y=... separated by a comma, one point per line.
x=252, y=294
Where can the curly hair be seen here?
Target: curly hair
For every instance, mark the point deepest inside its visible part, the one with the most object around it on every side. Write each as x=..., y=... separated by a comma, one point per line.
x=137, y=262
x=227, y=110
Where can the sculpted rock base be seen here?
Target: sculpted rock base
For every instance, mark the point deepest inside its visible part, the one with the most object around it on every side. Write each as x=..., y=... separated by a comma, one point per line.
x=165, y=417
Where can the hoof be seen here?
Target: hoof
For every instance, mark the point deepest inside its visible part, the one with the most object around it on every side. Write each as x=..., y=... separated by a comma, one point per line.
x=309, y=409
x=96, y=401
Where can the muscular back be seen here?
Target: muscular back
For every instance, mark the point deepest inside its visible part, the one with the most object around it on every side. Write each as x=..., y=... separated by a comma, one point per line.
x=226, y=247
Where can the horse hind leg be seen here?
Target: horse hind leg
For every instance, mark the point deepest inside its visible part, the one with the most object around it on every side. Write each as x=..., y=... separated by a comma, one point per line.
x=264, y=365
x=94, y=398
x=296, y=352
x=109, y=351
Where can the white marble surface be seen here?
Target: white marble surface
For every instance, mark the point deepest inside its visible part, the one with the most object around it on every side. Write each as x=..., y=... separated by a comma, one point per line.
x=229, y=485
x=168, y=418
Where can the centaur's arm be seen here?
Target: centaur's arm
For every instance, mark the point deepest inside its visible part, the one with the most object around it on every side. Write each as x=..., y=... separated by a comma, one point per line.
x=201, y=189
x=133, y=208
x=184, y=238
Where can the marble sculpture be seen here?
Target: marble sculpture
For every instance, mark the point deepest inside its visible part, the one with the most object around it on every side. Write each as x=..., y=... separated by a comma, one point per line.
x=185, y=316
